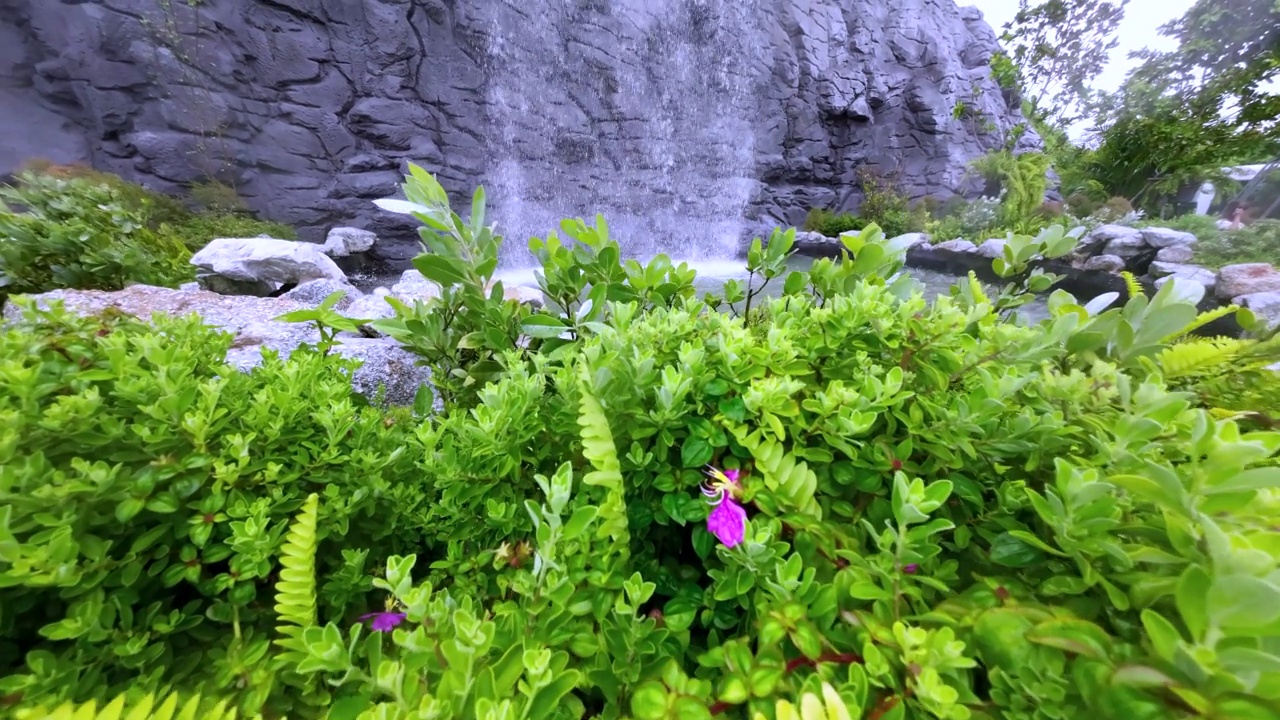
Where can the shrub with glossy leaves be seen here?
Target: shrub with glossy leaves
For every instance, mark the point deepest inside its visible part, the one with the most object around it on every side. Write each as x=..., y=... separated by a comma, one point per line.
x=74, y=233
x=947, y=514
x=144, y=491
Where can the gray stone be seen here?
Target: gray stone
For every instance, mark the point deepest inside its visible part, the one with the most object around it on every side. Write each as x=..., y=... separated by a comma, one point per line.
x=252, y=321
x=1247, y=279
x=369, y=307
x=805, y=238
x=992, y=248
x=1164, y=237
x=1264, y=305
x=1162, y=271
x=312, y=107
x=413, y=286
x=313, y=292
x=956, y=246
x=247, y=266
x=1105, y=263
x=344, y=241
x=1113, y=232
x=1176, y=254
x=1126, y=246
x=524, y=294
x=913, y=240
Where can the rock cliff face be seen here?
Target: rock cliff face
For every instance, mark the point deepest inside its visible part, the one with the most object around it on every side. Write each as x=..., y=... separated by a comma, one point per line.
x=685, y=121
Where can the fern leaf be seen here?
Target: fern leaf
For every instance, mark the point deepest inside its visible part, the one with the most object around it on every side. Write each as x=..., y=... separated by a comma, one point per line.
x=781, y=472
x=1201, y=320
x=600, y=451
x=1131, y=283
x=296, y=589
x=1201, y=356
x=172, y=707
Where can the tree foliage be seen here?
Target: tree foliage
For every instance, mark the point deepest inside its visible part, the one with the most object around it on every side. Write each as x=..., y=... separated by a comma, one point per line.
x=1061, y=46
x=1226, y=62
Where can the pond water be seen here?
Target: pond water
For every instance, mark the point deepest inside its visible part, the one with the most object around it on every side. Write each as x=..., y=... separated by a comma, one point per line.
x=713, y=273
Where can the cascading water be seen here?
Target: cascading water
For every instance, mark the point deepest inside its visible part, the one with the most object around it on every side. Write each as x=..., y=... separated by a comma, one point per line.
x=658, y=136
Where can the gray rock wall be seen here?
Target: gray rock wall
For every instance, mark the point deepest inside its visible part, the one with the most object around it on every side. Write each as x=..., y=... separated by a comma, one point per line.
x=677, y=118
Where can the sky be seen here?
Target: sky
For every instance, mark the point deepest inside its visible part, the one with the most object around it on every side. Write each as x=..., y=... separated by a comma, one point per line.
x=1139, y=29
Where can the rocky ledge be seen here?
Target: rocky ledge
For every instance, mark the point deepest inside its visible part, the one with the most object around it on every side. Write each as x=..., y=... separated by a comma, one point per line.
x=259, y=279
x=1153, y=254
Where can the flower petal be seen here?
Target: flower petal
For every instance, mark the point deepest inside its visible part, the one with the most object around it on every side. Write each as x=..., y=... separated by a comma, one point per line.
x=728, y=522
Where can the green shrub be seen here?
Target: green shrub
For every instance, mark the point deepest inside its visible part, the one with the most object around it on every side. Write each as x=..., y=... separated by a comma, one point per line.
x=198, y=229
x=830, y=223
x=77, y=234
x=1256, y=242
x=157, y=208
x=144, y=491
x=1022, y=180
x=922, y=509
x=217, y=197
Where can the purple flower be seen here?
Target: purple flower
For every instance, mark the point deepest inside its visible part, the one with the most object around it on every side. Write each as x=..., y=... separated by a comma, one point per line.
x=728, y=522
x=384, y=621
x=911, y=569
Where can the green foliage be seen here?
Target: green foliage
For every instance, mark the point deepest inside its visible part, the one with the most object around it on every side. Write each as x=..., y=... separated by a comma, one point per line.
x=328, y=321
x=145, y=487
x=1256, y=242
x=1150, y=150
x=158, y=208
x=58, y=233
x=884, y=204
x=949, y=515
x=1225, y=63
x=197, y=229
x=217, y=197
x=1006, y=72
x=1059, y=47
x=146, y=707
x=830, y=223
x=1023, y=181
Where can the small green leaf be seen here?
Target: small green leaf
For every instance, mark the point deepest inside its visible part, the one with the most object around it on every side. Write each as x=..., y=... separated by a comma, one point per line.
x=439, y=269
x=543, y=326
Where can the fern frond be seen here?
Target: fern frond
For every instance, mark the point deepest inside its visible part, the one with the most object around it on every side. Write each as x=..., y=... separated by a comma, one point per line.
x=1198, y=357
x=1201, y=320
x=782, y=473
x=600, y=451
x=1131, y=284
x=172, y=707
x=296, y=589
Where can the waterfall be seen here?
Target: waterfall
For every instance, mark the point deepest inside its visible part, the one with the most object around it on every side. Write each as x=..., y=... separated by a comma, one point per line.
x=657, y=135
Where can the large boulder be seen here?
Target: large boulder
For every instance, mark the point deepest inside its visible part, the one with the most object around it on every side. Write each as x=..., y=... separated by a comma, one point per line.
x=260, y=266
x=252, y=321
x=992, y=248
x=809, y=239
x=912, y=240
x=413, y=286
x=1105, y=263
x=344, y=241
x=1161, y=270
x=1176, y=254
x=1247, y=279
x=956, y=246
x=1110, y=232
x=1264, y=306
x=1164, y=237
x=313, y=292
x=1126, y=247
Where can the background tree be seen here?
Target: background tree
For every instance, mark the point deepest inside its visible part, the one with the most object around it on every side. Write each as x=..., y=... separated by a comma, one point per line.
x=1227, y=62
x=1060, y=47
